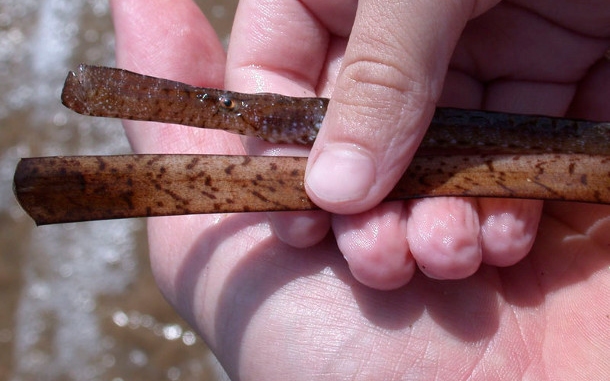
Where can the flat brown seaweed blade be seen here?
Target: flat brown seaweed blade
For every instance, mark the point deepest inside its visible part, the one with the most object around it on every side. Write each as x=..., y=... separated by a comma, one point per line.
x=70, y=189
x=82, y=188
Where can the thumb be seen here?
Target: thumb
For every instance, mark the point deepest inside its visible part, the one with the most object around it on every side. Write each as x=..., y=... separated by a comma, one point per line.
x=391, y=77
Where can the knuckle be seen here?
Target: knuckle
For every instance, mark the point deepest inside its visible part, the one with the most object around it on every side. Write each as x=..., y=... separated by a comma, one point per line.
x=379, y=90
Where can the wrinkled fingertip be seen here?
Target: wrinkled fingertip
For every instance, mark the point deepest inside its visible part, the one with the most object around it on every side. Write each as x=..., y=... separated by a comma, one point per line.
x=509, y=229
x=445, y=271
x=300, y=229
x=384, y=278
x=375, y=246
x=444, y=237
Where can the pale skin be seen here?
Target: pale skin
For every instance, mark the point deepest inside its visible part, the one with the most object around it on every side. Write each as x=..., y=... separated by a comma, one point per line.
x=273, y=295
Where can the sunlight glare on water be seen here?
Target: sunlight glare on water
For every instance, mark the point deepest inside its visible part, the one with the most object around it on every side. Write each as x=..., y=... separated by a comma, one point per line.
x=64, y=285
x=67, y=267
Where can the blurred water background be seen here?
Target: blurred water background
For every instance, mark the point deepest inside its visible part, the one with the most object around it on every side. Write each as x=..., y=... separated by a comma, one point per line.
x=77, y=301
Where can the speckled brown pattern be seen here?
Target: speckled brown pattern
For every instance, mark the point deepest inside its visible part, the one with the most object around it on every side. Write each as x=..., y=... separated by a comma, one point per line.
x=464, y=153
x=118, y=93
x=69, y=189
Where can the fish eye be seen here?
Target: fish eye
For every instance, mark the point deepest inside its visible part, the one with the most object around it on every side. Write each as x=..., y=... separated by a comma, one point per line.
x=227, y=103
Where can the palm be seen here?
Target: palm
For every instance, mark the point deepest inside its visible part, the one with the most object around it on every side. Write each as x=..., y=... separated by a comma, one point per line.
x=542, y=317
x=255, y=299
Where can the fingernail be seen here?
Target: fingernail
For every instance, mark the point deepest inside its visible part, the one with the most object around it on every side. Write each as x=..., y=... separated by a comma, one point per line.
x=341, y=173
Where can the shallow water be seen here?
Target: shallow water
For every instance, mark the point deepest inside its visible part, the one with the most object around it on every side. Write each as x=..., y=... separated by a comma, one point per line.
x=78, y=300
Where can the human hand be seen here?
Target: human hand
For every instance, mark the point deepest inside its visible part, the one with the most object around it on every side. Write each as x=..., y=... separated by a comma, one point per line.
x=270, y=310
x=385, y=84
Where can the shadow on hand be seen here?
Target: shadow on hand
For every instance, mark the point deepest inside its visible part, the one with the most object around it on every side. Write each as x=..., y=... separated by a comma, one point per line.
x=281, y=282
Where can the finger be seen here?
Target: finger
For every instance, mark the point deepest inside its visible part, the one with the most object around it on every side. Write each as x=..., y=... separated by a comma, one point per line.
x=374, y=243
x=508, y=229
x=390, y=80
x=282, y=45
x=264, y=59
x=175, y=48
x=299, y=229
x=444, y=237
x=590, y=100
x=267, y=59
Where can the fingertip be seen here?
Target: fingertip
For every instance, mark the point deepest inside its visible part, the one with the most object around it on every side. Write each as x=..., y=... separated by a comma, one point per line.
x=508, y=229
x=444, y=237
x=375, y=246
x=300, y=229
x=389, y=276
